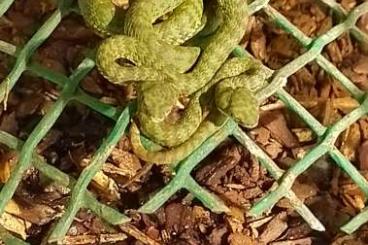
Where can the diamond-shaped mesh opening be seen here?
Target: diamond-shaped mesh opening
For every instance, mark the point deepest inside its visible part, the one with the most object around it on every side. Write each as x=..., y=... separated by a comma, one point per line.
x=70, y=91
x=312, y=87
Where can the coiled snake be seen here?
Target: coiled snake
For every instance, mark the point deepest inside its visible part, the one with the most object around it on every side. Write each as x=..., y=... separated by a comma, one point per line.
x=148, y=44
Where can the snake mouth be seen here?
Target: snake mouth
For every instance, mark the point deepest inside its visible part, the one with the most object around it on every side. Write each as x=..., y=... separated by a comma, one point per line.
x=124, y=4
x=172, y=115
x=250, y=125
x=176, y=112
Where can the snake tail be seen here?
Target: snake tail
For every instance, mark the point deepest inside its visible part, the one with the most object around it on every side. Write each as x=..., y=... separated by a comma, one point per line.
x=102, y=16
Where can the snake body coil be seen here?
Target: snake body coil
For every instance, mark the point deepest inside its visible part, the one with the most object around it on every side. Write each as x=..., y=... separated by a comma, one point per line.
x=142, y=48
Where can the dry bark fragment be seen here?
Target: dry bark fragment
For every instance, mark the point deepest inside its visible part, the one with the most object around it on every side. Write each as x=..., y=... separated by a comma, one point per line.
x=9, y=123
x=137, y=234
x=261, y=135
x=302, y=241
x=178, y=218
x=94, y=239
x=303, y=192
x=35, y=213
x=217, y=234
x=258, y=41
x=106, y=186
x=363, y=156
x=7, y=161
x=126, y=162
x=348, y=4
x=225, y=161
x=274, y=228
x=361, y=66
x=14, y=224
x=52, y=137
x=363, y=123
x=352, y=196
x=90, y=85
x=236, y=219
x=276, y=123
x=240, y=239
x=350, y=142
x=29, y=106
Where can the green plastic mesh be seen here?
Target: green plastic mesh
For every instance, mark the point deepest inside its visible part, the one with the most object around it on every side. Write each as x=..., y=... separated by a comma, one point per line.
x=70, y=91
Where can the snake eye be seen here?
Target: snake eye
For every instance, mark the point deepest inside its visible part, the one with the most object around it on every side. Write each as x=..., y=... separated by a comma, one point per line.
x=125, y=62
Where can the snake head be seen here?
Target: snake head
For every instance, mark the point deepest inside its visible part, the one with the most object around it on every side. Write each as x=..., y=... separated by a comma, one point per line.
x=240, y=104
x=157, y=99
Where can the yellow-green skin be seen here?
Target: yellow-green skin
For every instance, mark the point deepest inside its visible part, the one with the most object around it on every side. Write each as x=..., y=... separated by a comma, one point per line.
x=237, y=81
x=162, y=67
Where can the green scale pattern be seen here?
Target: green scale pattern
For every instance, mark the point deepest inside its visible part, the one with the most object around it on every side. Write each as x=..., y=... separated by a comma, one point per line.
x=70, y=91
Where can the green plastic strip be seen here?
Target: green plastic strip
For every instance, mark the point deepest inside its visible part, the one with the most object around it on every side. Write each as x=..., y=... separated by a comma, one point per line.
x=314, y=50
x=271, y=166
x=39, y=132
x=9, y=239
x=276, y=173
x=341, y=12
x=26, y=52
x=80, y=195
x=4, y=6
x=320, y=59
x=59, y=79
x=327, y=143
x=183, y=179
x=108, y=214
x=77, y=199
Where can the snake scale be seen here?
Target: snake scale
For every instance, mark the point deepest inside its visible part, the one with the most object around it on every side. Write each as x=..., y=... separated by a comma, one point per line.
x=150, y=43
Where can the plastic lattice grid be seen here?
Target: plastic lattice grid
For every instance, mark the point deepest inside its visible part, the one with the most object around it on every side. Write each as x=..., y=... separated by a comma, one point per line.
x=81, y=197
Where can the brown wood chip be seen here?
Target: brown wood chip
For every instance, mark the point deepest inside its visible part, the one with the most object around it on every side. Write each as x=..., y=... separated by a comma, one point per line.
x=363, y=156
x=274, y=228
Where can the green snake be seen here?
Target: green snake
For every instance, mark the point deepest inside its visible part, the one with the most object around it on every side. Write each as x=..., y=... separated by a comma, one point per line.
x=150, y=53
x=230, y=94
